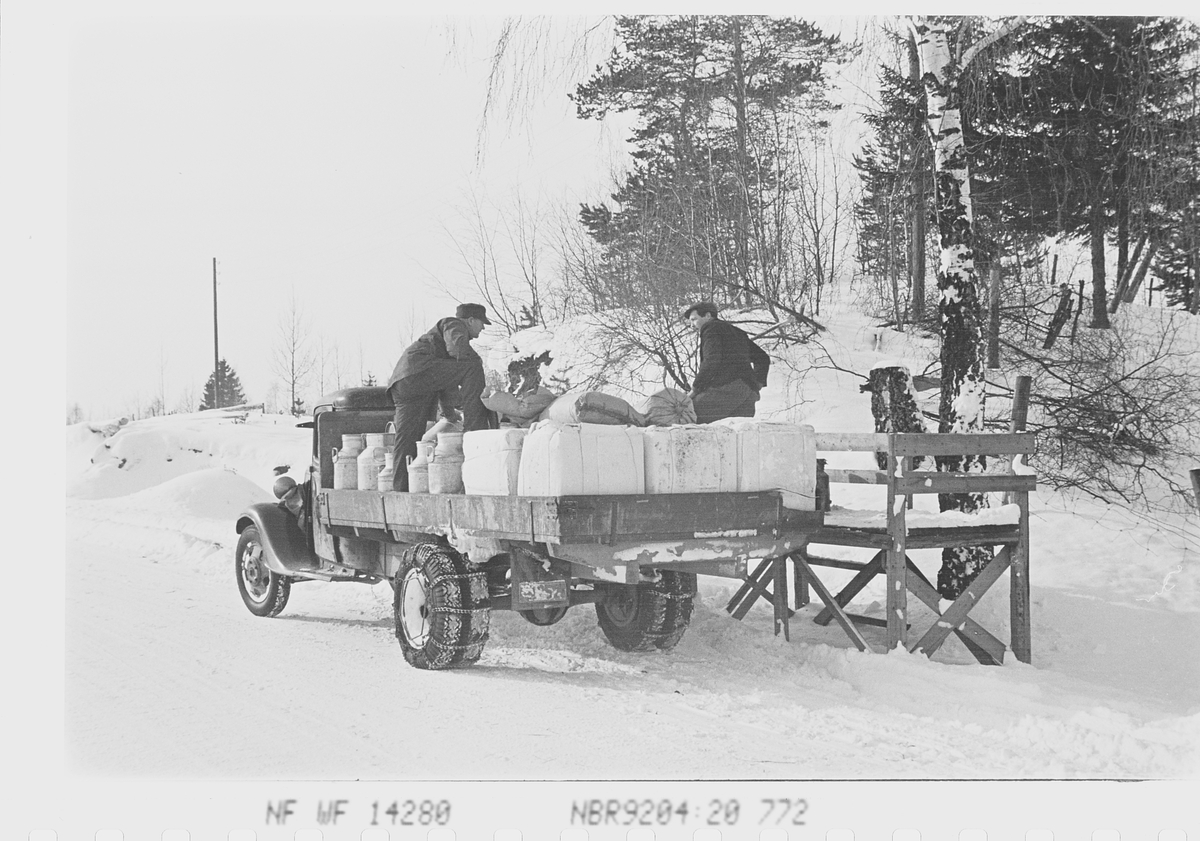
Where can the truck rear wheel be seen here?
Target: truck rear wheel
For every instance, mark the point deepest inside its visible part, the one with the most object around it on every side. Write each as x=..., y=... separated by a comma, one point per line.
x=264, y=591
x=652, y=615
x=543, y=617
x=441, y=608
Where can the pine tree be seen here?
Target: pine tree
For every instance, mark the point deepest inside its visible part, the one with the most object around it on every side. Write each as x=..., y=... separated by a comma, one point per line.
x=717, y=99
x=228, y=394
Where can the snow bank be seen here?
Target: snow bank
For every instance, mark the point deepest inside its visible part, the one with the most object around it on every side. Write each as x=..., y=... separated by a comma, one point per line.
x=149, y=452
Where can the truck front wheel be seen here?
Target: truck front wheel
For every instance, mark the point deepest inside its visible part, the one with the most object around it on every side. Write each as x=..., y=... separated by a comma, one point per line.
x=654, y=614
x=264, y=591
x=441, y=608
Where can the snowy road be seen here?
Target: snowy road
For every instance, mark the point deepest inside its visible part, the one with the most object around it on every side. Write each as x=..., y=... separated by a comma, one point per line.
x=169, y=675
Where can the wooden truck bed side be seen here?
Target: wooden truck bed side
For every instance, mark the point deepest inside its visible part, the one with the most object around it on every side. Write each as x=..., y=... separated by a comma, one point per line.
x=569, y=519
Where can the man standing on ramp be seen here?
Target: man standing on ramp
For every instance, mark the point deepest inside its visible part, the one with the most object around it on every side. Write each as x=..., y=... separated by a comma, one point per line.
x=439, y=367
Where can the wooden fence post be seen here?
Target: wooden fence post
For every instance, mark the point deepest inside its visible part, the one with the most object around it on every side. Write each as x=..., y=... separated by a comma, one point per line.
x=993, y=360
x=1061, y=313
x=1020, y=407
x=1020, y=415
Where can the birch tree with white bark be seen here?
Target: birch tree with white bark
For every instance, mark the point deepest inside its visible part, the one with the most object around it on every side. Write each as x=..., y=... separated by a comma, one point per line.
x=961, y=408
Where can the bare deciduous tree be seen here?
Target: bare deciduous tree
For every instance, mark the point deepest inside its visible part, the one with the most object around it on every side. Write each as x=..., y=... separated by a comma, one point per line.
x=293, y=360
x=504, y=252
x=1115, y=411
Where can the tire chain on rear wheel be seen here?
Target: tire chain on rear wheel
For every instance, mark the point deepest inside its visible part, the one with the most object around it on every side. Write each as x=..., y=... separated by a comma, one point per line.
x=666, y=607
x=458, y=604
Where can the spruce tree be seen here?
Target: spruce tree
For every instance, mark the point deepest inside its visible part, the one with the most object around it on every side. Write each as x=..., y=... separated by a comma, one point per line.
x=896, y=171
x=230, y=392
x=1085, y=131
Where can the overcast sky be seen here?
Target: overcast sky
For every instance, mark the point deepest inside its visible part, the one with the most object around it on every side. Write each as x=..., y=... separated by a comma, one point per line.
x=332, y=156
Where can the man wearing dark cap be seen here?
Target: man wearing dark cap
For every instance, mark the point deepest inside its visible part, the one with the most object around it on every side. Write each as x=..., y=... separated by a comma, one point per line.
x=733, y=369
x=439, y=367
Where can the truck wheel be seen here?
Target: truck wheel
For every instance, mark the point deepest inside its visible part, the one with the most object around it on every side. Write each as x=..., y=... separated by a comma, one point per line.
x=652, y=615
x=264, y=591
x=441, y=608
x=543, y=616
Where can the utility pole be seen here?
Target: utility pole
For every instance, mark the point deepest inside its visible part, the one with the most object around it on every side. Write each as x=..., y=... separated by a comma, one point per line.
x=216, y=352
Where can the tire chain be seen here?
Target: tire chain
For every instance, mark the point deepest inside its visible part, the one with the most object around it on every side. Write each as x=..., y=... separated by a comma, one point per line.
x=667, y=604
x=458, y=608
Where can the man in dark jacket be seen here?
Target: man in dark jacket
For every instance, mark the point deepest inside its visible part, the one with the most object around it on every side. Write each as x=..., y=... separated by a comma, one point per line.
x=439, y=367
x=733, y=369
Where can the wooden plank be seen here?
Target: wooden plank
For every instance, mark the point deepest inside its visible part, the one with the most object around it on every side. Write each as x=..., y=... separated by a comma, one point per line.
x=832, y=604
x=918, y=538
x=851, y=441
x=800, y=585
x=735, y=568
x=897, y=593
x=1018, y=594
x=873, y=568
x=955, y=614
x=676, y=515
x=933, y=482
x=836, y=563
x=864, y=538
x=856, y=477
x=859, y=619
x=360, y=509
x=990, y=650
x=502, y=516
x=751, y=590
x=782, y=612
x=995, y=535
x=591, y=519
x=958, y=444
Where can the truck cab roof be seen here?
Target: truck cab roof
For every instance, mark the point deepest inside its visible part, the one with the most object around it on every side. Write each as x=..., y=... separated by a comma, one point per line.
x=362, y=397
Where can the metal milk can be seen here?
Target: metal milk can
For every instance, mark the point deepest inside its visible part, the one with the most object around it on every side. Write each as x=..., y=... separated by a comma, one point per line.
x=445, y=468
x=345, y=463
x=370, y=461
x=418, y=468
x=388, y=474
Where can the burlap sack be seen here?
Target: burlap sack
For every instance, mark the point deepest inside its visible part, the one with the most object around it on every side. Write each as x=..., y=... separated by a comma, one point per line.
x=669, y=407
x=593, y=407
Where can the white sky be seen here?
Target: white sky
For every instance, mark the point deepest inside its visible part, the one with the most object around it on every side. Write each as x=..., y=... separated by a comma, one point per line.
x=328, y=155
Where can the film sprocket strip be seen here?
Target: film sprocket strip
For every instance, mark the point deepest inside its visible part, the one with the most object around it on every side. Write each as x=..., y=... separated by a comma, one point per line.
x=599, y=811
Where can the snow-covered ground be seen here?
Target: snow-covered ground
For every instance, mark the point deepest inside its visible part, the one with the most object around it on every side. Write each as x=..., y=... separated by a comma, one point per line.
x=167, y=673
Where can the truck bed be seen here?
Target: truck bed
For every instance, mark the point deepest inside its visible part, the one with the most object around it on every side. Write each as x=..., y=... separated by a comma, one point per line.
x=570, y=519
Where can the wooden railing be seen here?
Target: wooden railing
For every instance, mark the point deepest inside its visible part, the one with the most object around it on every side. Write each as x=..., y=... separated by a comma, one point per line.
x=903, y=454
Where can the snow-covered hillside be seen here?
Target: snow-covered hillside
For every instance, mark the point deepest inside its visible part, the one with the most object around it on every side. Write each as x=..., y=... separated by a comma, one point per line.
x=169, y=674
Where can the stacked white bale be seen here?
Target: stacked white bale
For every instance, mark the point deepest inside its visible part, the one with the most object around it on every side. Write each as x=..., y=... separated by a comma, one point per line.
x=776, y=456
x=693, y=458
x=492, y=461
x=566, y=459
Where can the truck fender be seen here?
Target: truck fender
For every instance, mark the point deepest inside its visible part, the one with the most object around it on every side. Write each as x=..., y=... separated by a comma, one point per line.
x=284, y=547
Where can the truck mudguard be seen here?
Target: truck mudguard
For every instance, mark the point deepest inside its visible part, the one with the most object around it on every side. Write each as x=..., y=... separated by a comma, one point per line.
x=284, y=547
